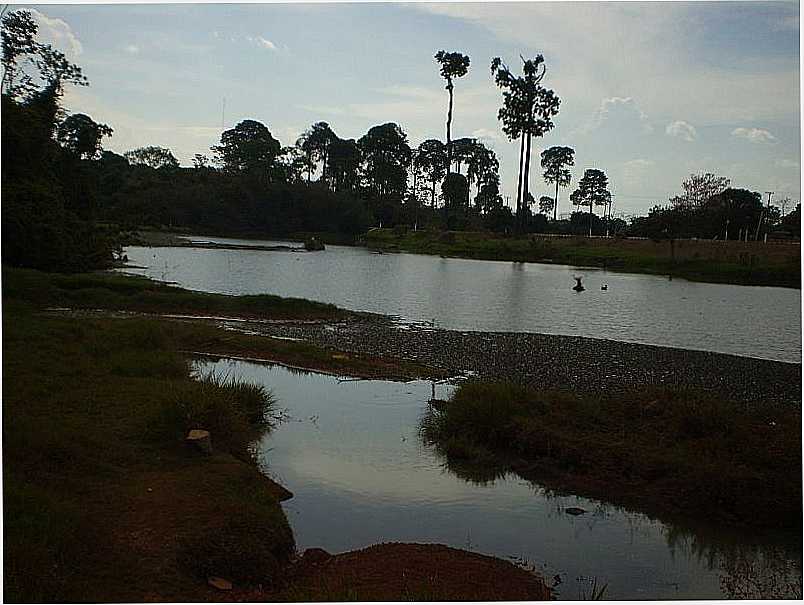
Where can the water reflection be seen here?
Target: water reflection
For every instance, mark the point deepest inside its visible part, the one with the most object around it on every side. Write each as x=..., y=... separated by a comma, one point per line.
x=351, y=454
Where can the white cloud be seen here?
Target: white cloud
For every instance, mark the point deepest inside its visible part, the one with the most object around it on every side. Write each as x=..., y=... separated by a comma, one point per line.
x=621, y=111
x=58, y=33
x=486, y=134
x=681, y=129
x=755, y=135
x=785, y=163
x=132, y=49
x=261, y=42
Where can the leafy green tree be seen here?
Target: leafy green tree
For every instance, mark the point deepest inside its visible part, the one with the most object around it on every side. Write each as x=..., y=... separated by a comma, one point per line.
x=386, y=158
x=546, y=204
x=456, y=198
x=592, y=191
x=153, y=157
x=699, y=189
x=201, y=162
x=453, y=65
x=527, y=111
x=50, y=66
x=315, y=143
x=82, y=135
x=48, y=191
x=248, y=148
x=344, y=164
x=792, y=221
x=431, y=159
x=740, y=208
x=556, y=162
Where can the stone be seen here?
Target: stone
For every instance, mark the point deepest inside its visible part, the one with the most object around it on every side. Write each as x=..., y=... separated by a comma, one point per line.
x=200, y=439
x=219, y=583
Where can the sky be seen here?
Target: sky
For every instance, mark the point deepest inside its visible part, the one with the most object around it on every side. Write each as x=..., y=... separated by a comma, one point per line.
x=650, y=92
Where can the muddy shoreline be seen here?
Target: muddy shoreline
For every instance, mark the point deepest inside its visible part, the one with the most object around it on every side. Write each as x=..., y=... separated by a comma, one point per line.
x=583, y=365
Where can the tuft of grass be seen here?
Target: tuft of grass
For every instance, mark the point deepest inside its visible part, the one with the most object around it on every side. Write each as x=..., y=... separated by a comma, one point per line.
x=234, y=411
x=671, y=450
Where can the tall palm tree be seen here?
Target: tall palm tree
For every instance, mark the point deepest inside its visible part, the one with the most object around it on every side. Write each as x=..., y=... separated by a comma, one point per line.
x=453, y=65
x=527, y=111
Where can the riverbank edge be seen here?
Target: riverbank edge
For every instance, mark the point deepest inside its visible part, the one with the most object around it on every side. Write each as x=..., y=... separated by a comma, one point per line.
x=641, y=451
x=174, y=481
x=504, y=249
x=576, y=251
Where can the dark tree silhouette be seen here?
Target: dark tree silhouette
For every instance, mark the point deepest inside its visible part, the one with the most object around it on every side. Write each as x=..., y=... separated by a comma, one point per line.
x=699, y=189
x=344, y=163
x=386, y=157
x=153, y=157
x=592, y=191
x=556, y=162
x=453, y=65
x=431, y=159
x=81, y=135
x=527, y=111
x=546, y=204
x=315, y=143
x=201, y=162
x=248, y=147
x=50, y=66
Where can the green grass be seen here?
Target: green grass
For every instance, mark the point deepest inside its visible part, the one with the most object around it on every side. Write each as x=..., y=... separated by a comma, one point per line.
x=752, y=263
x=131, y=293
x=674, y=452
x=103, y=501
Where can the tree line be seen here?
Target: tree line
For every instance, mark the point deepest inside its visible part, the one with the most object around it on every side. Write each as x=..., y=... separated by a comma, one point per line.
x=60, y=185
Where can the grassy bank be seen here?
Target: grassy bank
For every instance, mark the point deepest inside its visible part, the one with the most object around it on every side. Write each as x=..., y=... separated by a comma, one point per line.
x=103, y=501
x=750, y=263
x=27, y=291
x=131, y=293
x=676, y=453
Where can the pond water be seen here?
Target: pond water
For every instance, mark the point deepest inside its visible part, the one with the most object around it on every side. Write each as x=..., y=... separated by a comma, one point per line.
x=466, y=294
x=350, y=453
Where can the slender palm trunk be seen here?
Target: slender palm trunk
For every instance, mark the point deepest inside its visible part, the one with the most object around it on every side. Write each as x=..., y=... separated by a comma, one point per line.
x=555, y=202
x=591, y=214
x=526, y=178
x=449, y=127
x=519, y=180
x=432, y=195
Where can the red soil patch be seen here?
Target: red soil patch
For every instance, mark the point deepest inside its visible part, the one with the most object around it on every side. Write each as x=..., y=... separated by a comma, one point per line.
x=397, y=571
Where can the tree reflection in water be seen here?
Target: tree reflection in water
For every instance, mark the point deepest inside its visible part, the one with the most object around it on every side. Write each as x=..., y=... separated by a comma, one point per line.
x=762, y=566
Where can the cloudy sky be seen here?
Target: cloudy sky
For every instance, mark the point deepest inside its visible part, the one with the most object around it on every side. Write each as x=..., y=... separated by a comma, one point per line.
x=650, y=92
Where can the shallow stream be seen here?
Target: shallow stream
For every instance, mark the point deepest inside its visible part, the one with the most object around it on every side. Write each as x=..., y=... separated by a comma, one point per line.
x=349, y=451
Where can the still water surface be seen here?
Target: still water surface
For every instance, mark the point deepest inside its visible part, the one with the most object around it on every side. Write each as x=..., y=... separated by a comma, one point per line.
x=350, y=453
x=467, y=294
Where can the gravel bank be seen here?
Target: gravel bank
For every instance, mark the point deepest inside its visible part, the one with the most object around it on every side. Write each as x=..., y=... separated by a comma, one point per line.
x=547, y=361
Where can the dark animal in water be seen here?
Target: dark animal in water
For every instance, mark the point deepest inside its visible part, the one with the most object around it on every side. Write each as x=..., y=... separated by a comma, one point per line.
x=578, y=287
x=604, y=287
